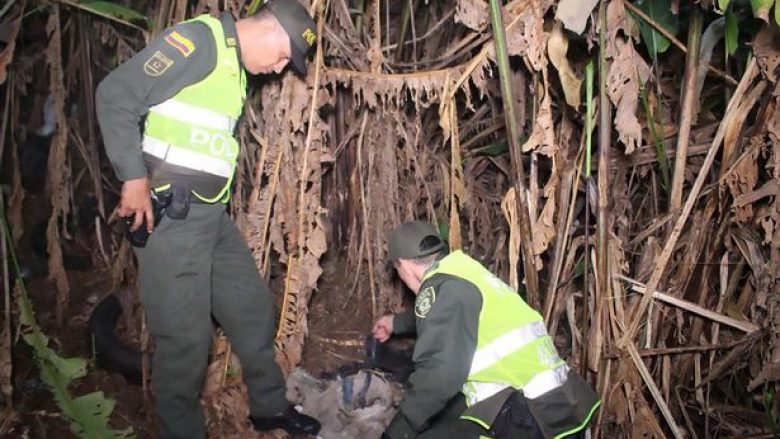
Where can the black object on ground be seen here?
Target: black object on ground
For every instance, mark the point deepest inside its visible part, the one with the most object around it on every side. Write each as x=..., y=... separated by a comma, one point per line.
x=290, y=421
x=397, y=363
x=110, y=352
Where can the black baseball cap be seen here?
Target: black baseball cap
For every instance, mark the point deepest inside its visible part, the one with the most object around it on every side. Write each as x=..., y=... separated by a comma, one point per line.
x=300, y=27
x=414, y=239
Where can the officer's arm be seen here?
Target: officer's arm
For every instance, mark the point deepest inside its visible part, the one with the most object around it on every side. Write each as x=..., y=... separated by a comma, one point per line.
x=403, y=323
x=180, y=56
x=447, y=339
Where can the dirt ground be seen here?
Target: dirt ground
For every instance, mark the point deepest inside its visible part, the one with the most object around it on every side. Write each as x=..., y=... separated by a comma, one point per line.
x=337, y=330
x=339, y=320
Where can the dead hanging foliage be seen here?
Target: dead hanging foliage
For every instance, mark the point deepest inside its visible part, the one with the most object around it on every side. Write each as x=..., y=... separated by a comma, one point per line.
x=388, y=127
x=628, y=74
x=295, y=229
x=421, y=89
x=58, y=171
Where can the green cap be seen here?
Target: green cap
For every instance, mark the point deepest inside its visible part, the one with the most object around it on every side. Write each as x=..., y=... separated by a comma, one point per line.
x=407, y=239
x=300, y=27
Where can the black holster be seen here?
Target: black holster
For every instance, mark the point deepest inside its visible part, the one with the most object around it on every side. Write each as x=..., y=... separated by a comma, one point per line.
x=139, y=237
x=179, y=206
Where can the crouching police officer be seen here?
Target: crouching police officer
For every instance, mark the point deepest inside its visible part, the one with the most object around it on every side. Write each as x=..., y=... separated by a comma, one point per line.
x=484, y=363
x=190, y=85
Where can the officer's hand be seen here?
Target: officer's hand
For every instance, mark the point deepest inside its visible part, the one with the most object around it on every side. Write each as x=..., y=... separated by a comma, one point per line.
x=137, y=202
x=383, y=328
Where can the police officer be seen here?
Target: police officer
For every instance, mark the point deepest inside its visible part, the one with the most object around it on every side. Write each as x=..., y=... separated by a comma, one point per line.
x=190, y=85
x=484, y=363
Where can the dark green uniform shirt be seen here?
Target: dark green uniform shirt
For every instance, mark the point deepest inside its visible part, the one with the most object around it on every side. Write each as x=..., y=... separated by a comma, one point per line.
x=446, y=341
x=123, y=98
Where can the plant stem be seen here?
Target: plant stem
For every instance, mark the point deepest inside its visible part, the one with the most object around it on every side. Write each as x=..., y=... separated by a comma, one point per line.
x=687, y=108
x=660, y=145
x=502, y=59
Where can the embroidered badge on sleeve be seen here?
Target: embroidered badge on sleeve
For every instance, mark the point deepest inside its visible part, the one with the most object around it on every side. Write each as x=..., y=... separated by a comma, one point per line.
x=424, y=302
x=157, y=64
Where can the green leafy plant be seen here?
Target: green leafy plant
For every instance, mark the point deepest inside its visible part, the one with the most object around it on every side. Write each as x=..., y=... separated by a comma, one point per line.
x=761, y=8
x=768, y=397
x=732, y=32
x=88, y=414
x=117, y=11
x=659, y=11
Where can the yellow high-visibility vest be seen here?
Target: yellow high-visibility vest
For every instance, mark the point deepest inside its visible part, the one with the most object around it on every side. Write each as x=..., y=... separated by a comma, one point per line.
x=194, y=128
x=513, y=346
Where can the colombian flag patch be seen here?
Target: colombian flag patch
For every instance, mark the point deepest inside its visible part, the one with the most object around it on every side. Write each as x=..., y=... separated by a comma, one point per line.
x=180, y=42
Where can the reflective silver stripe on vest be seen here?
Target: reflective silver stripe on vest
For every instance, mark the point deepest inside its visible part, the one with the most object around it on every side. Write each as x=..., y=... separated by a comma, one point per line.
x=194, y=115
x=545, y=381
x=506, y=345
x=537, y=386
x=481, y=391
x=177, y=155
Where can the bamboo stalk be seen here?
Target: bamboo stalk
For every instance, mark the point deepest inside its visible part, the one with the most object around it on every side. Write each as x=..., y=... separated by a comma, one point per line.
x=671, y=243
x=502, y=59
x=364, y=217
x=364, y=210
x=605, y=145
x=360, y=5
x=687, y=108
x=456, y=176
x=571, y=183
x=404, y=27
x=161, y=17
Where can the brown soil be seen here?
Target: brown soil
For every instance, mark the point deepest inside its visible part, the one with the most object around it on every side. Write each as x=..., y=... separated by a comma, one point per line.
x=339, y=320
x=38, y=415
x=337, y=330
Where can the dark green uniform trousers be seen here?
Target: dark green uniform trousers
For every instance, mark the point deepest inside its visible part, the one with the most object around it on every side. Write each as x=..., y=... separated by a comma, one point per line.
x=191, y=270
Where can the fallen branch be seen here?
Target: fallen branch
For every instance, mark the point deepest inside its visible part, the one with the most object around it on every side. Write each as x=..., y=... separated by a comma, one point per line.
x=744, y=326
x=659, y=399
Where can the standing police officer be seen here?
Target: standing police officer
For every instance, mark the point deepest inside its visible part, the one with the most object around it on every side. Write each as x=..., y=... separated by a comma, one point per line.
x=190, y=86
x=484, y=365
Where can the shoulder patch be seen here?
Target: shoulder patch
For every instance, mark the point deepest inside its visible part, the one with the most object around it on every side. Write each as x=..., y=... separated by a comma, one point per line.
x=180, y=43
x=424, y=302
x=157, y=64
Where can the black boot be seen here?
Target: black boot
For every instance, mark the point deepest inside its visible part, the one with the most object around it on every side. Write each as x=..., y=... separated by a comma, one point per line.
x=289, y=420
